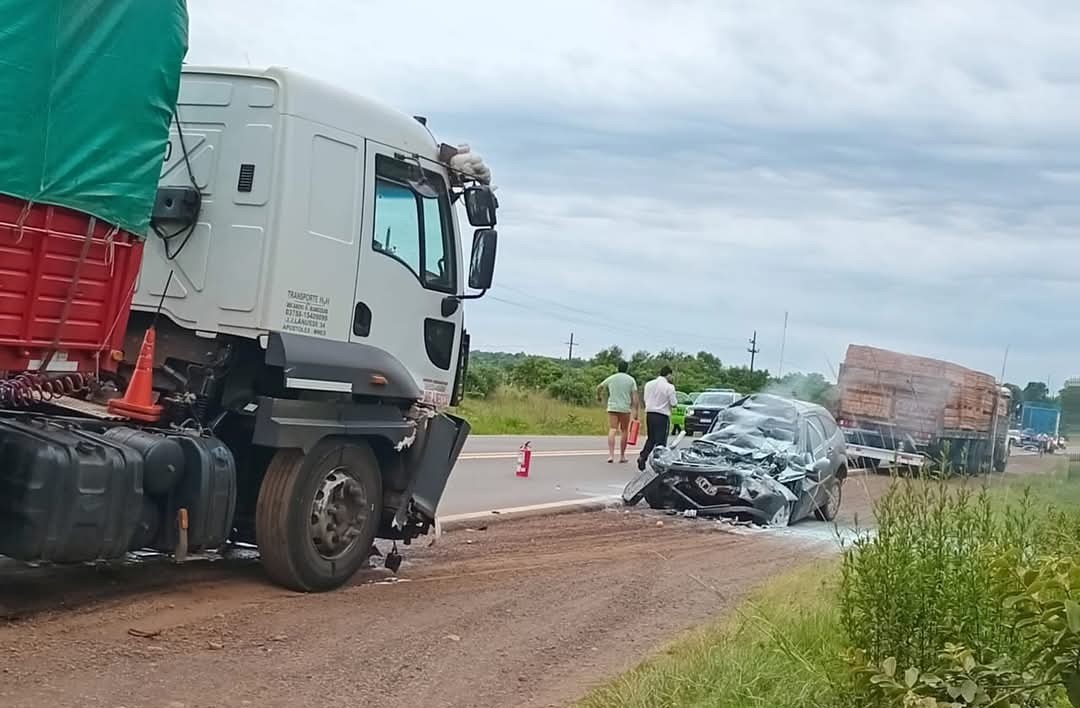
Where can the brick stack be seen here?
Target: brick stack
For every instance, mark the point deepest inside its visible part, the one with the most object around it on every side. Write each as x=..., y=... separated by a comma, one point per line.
x=915, y=393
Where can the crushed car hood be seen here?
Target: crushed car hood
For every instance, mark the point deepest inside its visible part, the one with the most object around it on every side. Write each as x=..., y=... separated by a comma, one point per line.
x=749, y=464
x=754, y=437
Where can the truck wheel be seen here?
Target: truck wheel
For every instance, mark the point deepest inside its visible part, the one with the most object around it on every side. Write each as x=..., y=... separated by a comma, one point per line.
x=317, y=514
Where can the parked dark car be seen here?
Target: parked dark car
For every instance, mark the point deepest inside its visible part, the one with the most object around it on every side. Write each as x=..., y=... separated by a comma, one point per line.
x=701, y=414
x=767, y=459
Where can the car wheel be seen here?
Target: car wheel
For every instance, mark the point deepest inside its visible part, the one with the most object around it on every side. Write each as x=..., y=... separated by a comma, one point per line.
x=782, y=517
x=831, y=507
x=656, y=498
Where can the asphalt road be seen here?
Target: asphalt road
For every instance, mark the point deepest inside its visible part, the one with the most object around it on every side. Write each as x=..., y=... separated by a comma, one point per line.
x=563, y=469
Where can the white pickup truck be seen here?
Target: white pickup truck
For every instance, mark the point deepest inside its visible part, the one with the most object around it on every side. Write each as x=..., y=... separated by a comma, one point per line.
x=870, y=450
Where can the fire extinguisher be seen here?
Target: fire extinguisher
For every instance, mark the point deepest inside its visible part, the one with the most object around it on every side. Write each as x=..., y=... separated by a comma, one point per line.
x=632, y=433
x=524, y=460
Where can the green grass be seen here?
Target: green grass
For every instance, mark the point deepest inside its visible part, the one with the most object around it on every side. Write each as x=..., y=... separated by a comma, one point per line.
x=1056, y=489
x=513, y=412
x=778, y=650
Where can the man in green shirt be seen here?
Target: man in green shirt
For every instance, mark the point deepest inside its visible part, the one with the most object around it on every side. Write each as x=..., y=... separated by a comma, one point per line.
x=622, y=400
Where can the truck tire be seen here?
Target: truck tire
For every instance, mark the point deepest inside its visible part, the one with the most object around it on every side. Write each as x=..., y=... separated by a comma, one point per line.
x=317, y=514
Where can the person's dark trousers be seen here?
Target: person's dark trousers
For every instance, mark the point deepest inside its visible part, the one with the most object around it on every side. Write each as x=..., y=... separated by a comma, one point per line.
x=657, y=426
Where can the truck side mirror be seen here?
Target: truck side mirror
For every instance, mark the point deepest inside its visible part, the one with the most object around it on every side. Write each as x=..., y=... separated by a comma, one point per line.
x=482, y=265
x=480, y=206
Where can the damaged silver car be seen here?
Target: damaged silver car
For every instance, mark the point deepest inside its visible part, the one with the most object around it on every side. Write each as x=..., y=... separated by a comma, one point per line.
x=766, y=459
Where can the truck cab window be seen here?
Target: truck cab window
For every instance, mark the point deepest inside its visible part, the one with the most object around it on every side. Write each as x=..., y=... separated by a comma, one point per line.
x=397, y=228
x=438, y=269
x=413, y=229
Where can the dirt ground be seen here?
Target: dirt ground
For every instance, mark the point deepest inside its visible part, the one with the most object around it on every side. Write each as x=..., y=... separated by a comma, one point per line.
x=522, y=613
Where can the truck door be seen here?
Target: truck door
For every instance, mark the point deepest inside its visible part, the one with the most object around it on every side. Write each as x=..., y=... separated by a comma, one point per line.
x=409, y=269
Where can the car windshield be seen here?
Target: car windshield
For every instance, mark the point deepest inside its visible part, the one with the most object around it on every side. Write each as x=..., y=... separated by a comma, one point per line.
x=715, y=400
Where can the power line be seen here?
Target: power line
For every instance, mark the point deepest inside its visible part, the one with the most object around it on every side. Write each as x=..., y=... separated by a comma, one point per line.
x=598, y=321
x=602, y=316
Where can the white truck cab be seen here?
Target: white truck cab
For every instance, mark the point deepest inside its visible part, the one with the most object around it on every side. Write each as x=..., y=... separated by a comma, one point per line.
x=323, y=215
x=305, y=278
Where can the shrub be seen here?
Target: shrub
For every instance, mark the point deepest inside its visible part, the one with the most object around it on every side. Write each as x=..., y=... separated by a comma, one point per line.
x=536, y=372
x=925, y=578
x=482, y=380
x=573, y=388
x=955, y=602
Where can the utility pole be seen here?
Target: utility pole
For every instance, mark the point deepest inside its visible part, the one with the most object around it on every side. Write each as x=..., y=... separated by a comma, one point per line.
x=783, y=343
x=753, y=350
x=572, y=343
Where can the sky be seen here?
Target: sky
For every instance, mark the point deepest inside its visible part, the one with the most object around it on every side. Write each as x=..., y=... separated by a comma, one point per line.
x=682, y=174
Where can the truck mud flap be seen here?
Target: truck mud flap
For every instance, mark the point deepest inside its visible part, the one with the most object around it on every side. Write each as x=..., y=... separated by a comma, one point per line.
x=445, y=437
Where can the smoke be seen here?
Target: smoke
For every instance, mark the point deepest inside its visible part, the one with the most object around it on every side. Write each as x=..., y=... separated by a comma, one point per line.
x=813, y=388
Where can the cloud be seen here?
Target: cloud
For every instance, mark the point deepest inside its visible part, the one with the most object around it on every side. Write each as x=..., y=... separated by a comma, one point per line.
x=681, y=174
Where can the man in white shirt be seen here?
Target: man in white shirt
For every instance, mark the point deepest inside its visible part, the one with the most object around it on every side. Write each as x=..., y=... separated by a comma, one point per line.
x=659, y=397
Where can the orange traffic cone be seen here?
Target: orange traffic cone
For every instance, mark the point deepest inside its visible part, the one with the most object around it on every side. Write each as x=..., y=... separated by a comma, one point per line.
x=138, y=401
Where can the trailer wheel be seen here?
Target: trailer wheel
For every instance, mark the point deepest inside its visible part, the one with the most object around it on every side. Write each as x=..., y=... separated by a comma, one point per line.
x=317, y=514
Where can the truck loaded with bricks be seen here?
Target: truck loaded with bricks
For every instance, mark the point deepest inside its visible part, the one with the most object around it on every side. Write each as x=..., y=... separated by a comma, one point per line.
x=918, y=407
x=231, y=303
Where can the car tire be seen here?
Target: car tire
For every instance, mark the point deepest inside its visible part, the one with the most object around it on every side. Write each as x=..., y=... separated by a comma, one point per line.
x=782, y=517
x=831, y=508
x=656, y=498
x=296, y=488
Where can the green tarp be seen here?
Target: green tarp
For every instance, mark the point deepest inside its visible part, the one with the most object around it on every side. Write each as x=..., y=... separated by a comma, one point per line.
x=87, y=90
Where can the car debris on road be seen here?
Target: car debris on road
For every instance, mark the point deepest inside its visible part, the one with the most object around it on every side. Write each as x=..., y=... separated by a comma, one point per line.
x=767, y=459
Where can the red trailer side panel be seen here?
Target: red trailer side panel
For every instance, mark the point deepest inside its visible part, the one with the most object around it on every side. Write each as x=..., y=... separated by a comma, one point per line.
x=63, y=286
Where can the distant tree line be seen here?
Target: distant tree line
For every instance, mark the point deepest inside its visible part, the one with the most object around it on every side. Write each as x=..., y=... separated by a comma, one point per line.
x=575, y=381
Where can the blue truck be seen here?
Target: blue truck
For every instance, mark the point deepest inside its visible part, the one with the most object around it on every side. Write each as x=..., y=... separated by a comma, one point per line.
x=1041, y=418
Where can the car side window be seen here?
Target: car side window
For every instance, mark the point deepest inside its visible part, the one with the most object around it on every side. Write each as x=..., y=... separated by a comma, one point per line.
x=815, y=435
x=414, y=229
x=827, y=426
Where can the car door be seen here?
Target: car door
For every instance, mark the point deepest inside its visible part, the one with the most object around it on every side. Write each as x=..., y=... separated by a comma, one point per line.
x=409, y=269
x=835, y=443
x=803, y=485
